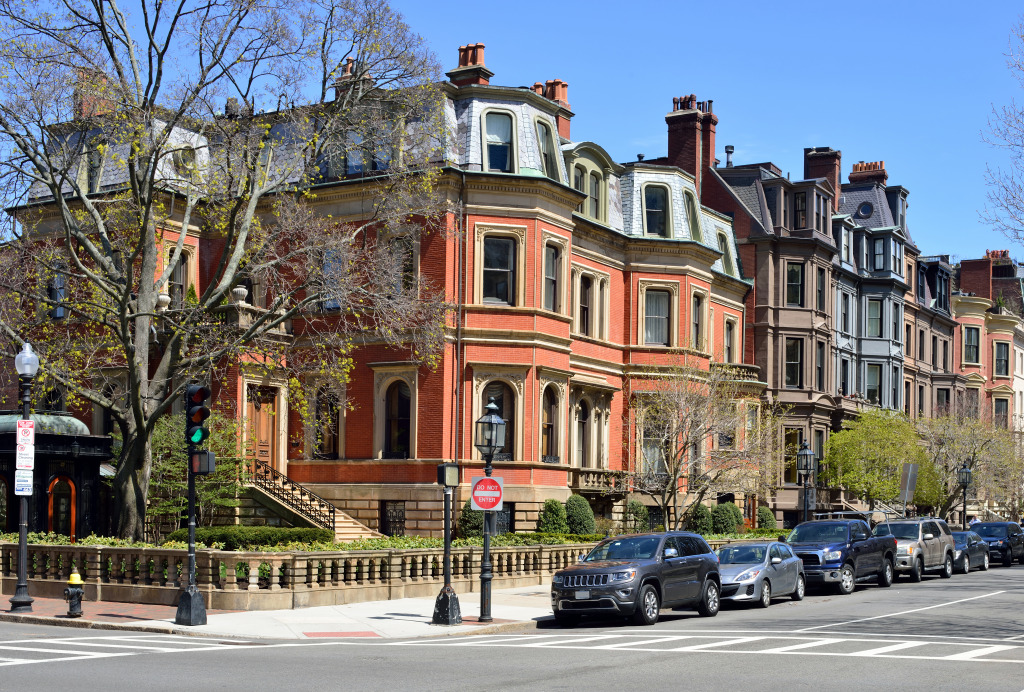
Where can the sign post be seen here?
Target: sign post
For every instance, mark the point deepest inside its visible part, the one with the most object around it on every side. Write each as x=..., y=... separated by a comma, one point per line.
x=908, y=482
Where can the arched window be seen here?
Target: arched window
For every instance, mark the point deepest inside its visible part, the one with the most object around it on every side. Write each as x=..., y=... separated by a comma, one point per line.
x=505, y=400
x=397, y=423
x=583, y=434
x=656, y=210
x=549, y=418
x=499, y=143
x=327, y=415
x=62, y=514
x=692, y=217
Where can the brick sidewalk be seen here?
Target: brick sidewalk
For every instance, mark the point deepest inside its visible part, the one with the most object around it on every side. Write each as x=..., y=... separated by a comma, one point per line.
x=105, y=611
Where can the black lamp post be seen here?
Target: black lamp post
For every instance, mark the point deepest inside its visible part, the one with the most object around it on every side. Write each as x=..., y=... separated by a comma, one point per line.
x=805, y=463
x=27, y=365
x=446, y=607
x=489, y=438
x=964, y=476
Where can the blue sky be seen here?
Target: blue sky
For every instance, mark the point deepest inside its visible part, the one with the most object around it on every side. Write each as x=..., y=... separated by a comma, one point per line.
x=910, y=83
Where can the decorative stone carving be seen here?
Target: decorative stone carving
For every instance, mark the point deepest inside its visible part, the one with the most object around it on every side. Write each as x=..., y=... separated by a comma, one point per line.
x=517, y=380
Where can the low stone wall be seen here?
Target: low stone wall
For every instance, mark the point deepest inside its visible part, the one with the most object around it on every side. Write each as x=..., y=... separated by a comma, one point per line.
x=271, y=581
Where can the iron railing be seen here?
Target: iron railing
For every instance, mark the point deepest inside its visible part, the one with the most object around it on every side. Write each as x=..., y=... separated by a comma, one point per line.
x=295, y=497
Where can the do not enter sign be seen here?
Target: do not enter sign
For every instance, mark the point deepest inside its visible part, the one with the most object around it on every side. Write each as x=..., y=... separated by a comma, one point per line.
x=486, y=494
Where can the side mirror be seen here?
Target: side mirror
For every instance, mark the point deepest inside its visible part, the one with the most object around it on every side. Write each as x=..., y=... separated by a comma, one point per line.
x=776, y=560
x=782, y=539
x=929, y=536
x=671, y=552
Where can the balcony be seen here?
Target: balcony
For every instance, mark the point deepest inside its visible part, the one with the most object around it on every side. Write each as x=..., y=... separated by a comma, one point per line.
x=242, y=316
x=597, y=482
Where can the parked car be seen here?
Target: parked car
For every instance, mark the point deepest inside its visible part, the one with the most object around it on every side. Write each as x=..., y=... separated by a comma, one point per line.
x=971, y=551
x=637, y=576
x=758, y=572
x=923, y=544
x=843, y=552
x=1005, y=540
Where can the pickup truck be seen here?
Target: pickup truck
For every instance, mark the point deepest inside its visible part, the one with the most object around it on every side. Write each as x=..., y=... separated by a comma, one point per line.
x=843, y=552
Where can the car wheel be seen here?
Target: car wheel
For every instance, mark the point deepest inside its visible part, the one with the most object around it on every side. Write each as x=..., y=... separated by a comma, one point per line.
x=648, y=606
x=947, y=567
x=709, y=601
x=847, y=581
x=564, y=618
x=766, y=594
x=885, y=574
x=801, y=588
x=984, y=563
x=915, y=574
x=965, y=567
x=1007, y=559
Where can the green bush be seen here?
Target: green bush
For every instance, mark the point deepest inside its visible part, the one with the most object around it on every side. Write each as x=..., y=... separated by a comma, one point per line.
x=737, y=514
x=700, y=519
x=637, y=517
x=252, y=537
x=552, y=517
x=765, y=518
x=471, y=522
x=578, y=515
x=722, y=520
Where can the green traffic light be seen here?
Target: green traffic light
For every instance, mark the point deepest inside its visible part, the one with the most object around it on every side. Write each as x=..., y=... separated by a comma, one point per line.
x=197, y=434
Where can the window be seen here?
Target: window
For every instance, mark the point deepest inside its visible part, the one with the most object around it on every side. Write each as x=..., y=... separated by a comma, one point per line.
x=547, y=150
x=819, y=445
x=723, y=246
x=895, y=403
x=655, y=452
x=945, y=355
x=696, y=327
x=552, y=267
x=1002, y=359
x=941, y=401
x=594, y=198
x=920, y=399
x=942, y=292
x=820, y=366
x=907, y=343
x=397, y=423
x=505, y=400
x=656, y=210
x=821, y=289
x=971, y=344
x=499, y=270
x=897, y=258
x=392, y=517
x=879, y=254
x=800, y=210
x=730, y=328
x=1001, y=412
x=582, y=437
x=793, y=438
x=499, y=143
x=846, y=244
x=935, y=351
x=906, y=398
x=921, y=283
x=818, y=208
x=846, y=313
x=586, y=290
x=875, y=318
x=177, y=284
x=794, y=363
x=920, y=344
x=795, y=284
x=327, y=443
x=549, y=417
x=874, y=384
x=58, y=293
x=578, y=176
x=656, y=317
x=844, y=377
x=693, y=217
x=896, y=323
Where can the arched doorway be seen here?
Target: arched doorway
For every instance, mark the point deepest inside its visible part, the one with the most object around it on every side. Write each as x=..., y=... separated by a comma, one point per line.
x=62, y=513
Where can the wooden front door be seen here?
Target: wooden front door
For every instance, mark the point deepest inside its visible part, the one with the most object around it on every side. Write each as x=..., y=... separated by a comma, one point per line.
x=261, y=419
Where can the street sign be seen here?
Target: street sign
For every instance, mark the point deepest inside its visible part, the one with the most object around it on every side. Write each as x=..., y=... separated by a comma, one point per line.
x=908, y=481
x=486, y=494
x=26, y=432
x=22, y=482
x=24, y=457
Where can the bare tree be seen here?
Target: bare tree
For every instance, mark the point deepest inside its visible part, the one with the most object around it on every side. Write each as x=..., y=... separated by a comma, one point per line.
x=694, y=432
x=136, y=144
x=1004, y=208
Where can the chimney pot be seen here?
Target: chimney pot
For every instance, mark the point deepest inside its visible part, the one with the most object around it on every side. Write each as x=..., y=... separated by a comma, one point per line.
x=639, y=157
x=675, y=103
x=729, y=149
x=462, y=56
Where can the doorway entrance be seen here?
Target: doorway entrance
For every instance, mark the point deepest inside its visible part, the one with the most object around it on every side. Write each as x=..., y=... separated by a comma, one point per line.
x=61, y=512
x=261, y=424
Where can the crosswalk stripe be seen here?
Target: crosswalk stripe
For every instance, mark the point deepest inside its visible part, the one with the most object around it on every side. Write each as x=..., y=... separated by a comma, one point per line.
x=802, y=645
x=887, y=649
x=631, y=643
x=575, y=640
x=975, y=653
x=725, y=642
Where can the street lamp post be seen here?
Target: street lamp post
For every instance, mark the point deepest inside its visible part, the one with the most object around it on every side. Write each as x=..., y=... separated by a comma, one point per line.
x=805, y=462
x=489, y=438
x=446, y=607
x=964, y=476
x=27, y=365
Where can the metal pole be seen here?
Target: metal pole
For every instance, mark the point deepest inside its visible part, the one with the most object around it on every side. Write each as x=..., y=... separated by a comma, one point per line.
x=191, y=608
x=807, y=485
x=191, y=524
x=485, y=565
x=446, y=606
x=448, y=537
x=965, y=508
x=21, y=602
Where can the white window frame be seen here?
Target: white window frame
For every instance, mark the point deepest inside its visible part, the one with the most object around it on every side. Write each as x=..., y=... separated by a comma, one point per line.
x=514, y=144
x=669, y=230
x=673, y=311
x=517, y=233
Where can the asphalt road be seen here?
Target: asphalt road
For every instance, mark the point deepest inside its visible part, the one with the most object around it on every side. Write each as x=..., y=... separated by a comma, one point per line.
x=962, y=633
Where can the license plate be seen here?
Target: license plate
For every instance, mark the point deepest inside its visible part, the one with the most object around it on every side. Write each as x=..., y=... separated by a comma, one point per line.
x=582, y=595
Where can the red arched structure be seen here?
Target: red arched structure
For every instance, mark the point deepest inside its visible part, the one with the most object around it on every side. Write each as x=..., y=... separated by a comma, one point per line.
x=63, y=501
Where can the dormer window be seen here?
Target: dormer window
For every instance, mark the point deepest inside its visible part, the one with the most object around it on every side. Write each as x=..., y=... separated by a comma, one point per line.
x=897, y=257
x=723, y=246
x=594, y=196
x=693, y=217
x=847, y=233
x=547, y=150
x=879, y=254
x=499, y=142
x=656, y=210
x=578, y=177
x=800, y=210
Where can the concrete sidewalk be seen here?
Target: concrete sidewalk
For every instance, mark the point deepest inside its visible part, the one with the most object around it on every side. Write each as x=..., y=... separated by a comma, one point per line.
x=512, y=610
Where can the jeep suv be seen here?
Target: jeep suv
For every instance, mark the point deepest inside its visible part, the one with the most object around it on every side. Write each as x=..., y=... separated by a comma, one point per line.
x=636, y=576
x=923, y=544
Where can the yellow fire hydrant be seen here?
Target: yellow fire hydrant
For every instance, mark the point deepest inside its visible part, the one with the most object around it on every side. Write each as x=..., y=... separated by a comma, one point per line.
x=73, y=594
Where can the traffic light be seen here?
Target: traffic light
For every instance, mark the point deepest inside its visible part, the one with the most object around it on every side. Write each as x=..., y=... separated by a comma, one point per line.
x=196, y=413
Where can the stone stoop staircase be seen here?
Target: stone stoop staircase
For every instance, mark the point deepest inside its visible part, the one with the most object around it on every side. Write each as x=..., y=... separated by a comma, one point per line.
x=303, y=504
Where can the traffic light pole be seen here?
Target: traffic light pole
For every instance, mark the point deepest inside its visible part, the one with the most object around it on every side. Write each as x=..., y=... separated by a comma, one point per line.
x=191, y=608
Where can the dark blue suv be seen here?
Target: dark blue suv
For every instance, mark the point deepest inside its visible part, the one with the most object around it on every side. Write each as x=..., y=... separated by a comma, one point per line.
x=1005, y=540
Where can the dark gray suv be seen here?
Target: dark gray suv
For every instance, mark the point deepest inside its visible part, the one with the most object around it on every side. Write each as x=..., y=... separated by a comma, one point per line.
x=637, y=576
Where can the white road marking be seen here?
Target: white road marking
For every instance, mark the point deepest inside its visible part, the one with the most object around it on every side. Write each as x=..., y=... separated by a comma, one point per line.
x=725, y=642
x=642, y=642
x=887, y=649
x=804, y=645
x=493, y=639
x=902, y=612
x=575, y=640
x=975, y=653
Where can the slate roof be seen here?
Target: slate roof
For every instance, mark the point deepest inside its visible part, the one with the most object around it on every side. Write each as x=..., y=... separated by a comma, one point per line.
x=745, y=183
x=855, y=195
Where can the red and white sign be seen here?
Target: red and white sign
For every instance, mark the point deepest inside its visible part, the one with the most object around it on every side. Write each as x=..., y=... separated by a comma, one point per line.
x=24, y=457
x=486, y=494
x=26, y=432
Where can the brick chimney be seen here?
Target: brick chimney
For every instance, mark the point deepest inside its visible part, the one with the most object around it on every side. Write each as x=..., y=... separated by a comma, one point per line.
x=91, y=96
x=824, y=162
x=691, y=135
x=870, y=172
x=471, y=68
x=976, y=276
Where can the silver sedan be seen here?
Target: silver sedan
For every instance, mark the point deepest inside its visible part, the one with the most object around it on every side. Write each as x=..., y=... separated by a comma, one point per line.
x=758, y=572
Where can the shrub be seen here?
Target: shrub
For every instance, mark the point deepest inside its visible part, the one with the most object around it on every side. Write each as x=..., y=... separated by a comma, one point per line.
x=700, y=519
x=471, y=522
x=552, y=517
x=249, y=537
x=737, y=514
x=578, y=515
x=637, y=517
x=605, y=527
x=722, y=520
x=765, y=518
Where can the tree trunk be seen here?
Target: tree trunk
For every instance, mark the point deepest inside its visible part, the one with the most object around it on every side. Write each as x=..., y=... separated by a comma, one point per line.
x=131, y=484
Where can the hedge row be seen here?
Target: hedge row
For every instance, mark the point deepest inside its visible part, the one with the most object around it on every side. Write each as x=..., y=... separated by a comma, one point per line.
x=253, y=537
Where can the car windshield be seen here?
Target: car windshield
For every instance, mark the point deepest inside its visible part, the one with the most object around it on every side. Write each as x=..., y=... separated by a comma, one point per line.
x=742, y=554
x=898, y=530
x=990, y=530
x=960, y=538
x=626, y=548
x=819, y=533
